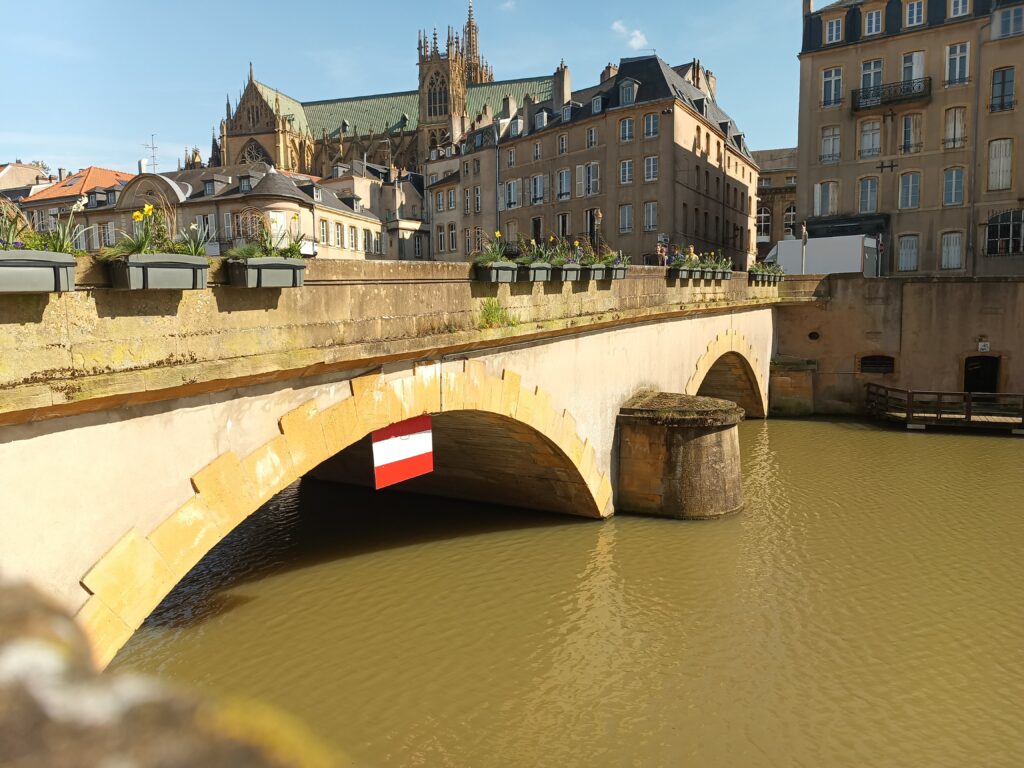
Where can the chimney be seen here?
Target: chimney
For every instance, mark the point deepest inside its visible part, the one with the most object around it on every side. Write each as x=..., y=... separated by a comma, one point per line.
x=712, y=82
x=142, y=165
x=508, y=107
x=808, y=7
x=561, y=87
x=609, y=72
x=62, y=173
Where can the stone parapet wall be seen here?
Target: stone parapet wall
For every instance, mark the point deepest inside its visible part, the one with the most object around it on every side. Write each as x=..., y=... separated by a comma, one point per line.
x=65, y=353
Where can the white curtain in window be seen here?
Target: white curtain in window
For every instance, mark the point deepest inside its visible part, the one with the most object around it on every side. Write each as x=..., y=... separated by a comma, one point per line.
x=908, y=253
x=955, y=119
x=952, y=250
x=1000, y=161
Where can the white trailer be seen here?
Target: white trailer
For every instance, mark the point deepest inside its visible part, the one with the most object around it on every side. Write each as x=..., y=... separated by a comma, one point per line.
x=827, y=255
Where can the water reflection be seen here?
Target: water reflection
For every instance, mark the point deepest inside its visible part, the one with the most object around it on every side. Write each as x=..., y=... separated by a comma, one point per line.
x=865, y=609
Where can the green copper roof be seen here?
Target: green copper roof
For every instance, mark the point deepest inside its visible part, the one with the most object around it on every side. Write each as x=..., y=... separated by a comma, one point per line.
x=378, y=113
x=289, y=106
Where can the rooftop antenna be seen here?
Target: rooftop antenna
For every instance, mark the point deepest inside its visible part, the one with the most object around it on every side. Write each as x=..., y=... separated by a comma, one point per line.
x=152, y=147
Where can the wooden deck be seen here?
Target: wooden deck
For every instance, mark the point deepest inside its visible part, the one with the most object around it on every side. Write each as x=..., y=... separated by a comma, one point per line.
x=969, y=410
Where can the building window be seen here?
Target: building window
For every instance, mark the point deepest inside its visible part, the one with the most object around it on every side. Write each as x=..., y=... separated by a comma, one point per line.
x=478, y=238
x=626, y=172
x=869, y=195
x=834, y=31
x=790, y=181
x=563, y=224
x=651, y=168
x=245, y=184
x=467, y=197
x=957, y=72
x=208, y=188
x=952, y=250
x=910, y=190
x=953, y=186
x=417, y=246
x=1000, y=164
x=437, y=96
x=353, y=238
x=537, y=184
x=540, y=120
x=563, y=184
x=830, y=144
x=870, y=83
x=514, y=128
x=595, y=105
x=536, y=150
x=339, y=235
x=451, y=199
x=588, y=179
x=832, y=87
x=650, y=216
x=512, y=193
x=788, y=220
x=468, y=240
x=908, y=253
x=563, y=143
x=955, y=129
x=440, y=239
x=367, y=241
x=510, y=157
x=870, y=139
x=959, y=8
x=323, y=231
x=911, y=141
x=476, y=199
x=476, y=163
x=826, y=198
x=873, y=23
x=1003, y=89
x=764, y=224
x=465, y=167
x=439, y=201
x=913, y=66
x=626, y=129
x=625, y=219
x=1005, y=234
x=566, y=113
x=877, y=364
x=651, y=125
x=627, y=93
x=453, y=240
x=915, y=13
x=1011, y=21
x=591, y=137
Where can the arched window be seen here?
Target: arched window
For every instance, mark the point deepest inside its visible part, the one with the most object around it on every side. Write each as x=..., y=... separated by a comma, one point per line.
x=255, y=153
x=437, y=96
x=764, y=224
x=1006, y=234
x=789, y=220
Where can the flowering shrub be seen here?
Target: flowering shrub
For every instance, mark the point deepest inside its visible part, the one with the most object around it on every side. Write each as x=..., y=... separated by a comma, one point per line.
x=493, y=250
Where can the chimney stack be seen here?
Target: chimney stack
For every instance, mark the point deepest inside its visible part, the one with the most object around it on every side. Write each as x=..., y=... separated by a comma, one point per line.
x=561, y=87
x=808, y=7
x=62, y=173
x=609, y=72
x=142, y=165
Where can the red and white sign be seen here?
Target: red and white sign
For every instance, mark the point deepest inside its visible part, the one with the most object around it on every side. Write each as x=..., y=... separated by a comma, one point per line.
x=403, y=451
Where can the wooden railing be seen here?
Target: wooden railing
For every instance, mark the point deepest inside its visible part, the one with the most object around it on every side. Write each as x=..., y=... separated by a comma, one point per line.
x=954, y=409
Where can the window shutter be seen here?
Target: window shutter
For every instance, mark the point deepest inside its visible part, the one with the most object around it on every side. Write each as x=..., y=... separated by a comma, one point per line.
x=547, y=187
x=227, y=226
x=595, y=185
x=833, y=198
x=501, y=192
x=579, y=180
x=817, y=199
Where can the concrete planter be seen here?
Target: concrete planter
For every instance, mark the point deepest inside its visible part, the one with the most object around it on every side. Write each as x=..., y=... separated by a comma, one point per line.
x=537, y=272
x=497, y=272
x=36, y=272
x=159, y=271
x=566, y=272
x=678, y=273
x=617, y=271
x=727, y=275
x=719, y=274
x=267, y=272
x=594, y=272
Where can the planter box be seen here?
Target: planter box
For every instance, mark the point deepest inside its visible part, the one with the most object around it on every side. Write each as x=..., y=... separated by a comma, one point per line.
x=618, y=272
x=754, y=277
x=266, y=272
x=497, y=272
x=566, y=273
x=727, y=275
x=718, y=274
x=677, y=273
x=537, y=272
x=596, y=272
x=159, y=271
x=36, y=272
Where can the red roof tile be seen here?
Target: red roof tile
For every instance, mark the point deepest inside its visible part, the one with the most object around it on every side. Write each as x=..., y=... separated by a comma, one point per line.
x=78, y=184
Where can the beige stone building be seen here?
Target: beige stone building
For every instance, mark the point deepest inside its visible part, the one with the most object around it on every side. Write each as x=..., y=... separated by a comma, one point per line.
x=910, y=129
x=91, y=194
x=19, y=180
x=646, y=155
x=776, y=198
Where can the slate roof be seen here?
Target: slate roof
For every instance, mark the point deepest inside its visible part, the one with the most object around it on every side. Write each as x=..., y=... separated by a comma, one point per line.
x=289, y=106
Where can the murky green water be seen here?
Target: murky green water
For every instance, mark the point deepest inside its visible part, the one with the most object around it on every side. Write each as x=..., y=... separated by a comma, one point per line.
x=867, y=609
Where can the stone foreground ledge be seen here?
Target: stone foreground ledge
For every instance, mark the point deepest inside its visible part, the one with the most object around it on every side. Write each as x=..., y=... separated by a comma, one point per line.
x=57, y=712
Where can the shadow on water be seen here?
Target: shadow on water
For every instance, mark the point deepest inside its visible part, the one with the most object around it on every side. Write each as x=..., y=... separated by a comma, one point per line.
x=313, y=522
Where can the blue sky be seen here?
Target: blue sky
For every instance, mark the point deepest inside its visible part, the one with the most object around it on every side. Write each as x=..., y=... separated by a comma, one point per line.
x=93, y=81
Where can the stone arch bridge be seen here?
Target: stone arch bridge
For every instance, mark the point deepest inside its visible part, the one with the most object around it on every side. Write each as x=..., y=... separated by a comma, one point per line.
x=137, y=429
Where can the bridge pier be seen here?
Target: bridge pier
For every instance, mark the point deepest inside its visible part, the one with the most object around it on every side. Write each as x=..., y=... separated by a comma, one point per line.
x=679, y=456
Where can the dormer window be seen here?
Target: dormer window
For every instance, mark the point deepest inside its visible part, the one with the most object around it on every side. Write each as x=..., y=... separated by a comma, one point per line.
x=514, y=128
x=595, y=105
x=92, y=199
x=566, y=113
x=627, y=93
x=245, y=184
x=111, y=197
x=834, y=31
x=540, y=120
x=318, y=194
x=208, y=188
x=478, y=140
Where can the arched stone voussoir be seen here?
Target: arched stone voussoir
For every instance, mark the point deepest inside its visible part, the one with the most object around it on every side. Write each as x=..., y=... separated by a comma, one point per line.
x=745, y=383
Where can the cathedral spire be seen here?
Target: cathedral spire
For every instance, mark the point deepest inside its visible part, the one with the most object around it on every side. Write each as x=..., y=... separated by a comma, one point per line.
x=251, y=75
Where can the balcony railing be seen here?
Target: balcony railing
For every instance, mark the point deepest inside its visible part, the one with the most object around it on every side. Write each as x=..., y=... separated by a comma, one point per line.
x=1002, y=105
x=911, y=149
x=891, y=93
x=956, y=142
x=868, y=153
x=829, y=158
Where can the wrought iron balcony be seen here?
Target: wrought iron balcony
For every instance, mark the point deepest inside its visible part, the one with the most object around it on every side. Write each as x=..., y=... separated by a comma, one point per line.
x=1002, y=105
x=867, y=153
x=892, y=93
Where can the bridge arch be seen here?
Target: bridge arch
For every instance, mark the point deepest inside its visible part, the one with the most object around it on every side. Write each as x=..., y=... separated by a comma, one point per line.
x=730, y=369
x=544, y=464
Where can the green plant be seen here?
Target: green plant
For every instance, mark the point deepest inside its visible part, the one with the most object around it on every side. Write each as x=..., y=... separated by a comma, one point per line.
x=62, y=236
x=265, y=244
x=193, y=240
x=560, y=252
x=759, y=268
x=493, y=315
x=493, y=250
x=14, y=227
x=148, y=236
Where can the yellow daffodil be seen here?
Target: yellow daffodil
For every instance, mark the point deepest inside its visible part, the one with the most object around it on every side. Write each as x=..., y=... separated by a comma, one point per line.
x=295, y=217
x=137, y=216
x=576, y=243
x=497, y=234
x=532, y=241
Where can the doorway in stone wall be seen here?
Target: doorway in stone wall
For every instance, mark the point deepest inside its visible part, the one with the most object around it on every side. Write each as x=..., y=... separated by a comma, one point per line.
x=981, y=374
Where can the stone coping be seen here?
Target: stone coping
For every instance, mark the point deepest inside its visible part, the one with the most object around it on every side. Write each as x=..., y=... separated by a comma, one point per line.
x=679, y=410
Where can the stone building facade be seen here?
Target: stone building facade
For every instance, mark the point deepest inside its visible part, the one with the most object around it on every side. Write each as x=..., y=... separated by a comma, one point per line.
x=776, y=198
x=911, y=129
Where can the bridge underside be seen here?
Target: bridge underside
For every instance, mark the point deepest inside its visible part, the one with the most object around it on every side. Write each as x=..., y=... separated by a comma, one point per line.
x=731, y=378
x=485, y=457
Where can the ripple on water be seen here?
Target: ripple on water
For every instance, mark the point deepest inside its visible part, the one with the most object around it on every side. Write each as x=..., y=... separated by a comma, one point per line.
x=864, y=609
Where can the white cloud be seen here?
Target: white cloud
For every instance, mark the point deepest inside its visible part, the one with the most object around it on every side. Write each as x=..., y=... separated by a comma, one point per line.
x=508, y=5
x=635, y=38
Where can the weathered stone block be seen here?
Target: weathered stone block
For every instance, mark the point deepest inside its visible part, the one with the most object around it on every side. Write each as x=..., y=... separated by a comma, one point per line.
x=131, y=579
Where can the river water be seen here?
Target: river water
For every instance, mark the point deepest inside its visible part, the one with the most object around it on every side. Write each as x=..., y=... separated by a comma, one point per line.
x=864, y=610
